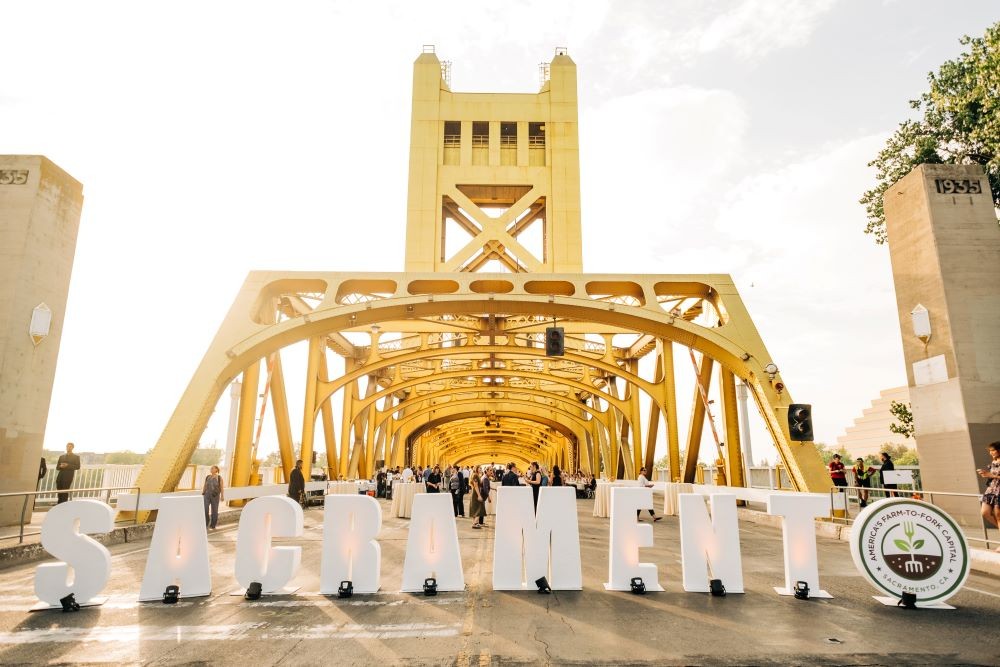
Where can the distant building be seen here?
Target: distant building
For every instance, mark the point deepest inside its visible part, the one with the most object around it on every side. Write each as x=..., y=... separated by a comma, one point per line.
x=871, y=431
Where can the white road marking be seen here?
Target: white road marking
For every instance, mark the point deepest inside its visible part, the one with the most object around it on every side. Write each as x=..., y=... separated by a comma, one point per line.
x=179, y=633
x=976, y=590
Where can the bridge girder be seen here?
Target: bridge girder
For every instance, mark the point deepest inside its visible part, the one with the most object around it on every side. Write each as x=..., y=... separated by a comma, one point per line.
x=450, y=321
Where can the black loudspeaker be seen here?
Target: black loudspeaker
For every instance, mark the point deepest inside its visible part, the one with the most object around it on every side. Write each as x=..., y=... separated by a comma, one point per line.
x=254, y=591
x=716, y=588
x=346, y=589
x=430, y=586
x=543, y=585
x=908, y=601
x=800, y=426
x=171, y=594
x=69, y=603
x=555, y=342
x=801, y=590
x=638, y=586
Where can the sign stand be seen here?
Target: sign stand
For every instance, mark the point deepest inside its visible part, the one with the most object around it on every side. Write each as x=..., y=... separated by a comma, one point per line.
x=890, y=601
x=92, y=602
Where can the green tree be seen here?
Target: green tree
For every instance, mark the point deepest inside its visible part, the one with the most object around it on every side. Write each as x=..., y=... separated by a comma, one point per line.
x=904, y=424
x=826, y=453
x=960, y=125
x=206, y=456
x=124, y=458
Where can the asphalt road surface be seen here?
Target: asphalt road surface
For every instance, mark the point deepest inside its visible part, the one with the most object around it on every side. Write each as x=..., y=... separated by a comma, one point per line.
x=484, y=627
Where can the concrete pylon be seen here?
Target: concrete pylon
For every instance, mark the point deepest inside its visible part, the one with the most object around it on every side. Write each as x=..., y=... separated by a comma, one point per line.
x=39, y=216
x=944, y=243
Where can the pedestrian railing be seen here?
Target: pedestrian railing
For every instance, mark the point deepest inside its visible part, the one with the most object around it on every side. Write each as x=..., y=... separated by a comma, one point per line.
x=109, y=493
x=970, y=529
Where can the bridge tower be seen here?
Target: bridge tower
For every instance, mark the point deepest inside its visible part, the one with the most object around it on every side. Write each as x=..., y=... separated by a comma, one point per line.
x=488, y=171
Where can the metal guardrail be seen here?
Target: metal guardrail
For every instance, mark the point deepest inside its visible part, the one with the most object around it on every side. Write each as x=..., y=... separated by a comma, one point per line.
x=877, y=493
x=28, y=494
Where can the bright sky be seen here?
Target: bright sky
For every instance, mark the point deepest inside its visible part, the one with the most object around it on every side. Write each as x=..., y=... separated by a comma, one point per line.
x=217, y=138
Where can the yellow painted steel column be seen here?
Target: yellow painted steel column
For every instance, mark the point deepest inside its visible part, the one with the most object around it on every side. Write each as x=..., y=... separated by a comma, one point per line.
x=241, y=463
x=731, y=419
x=309, y=409
x=635, y=421
x=326, y=414
x=346, y=420
x=668, y=387
x=697, y=425
x=282, y=423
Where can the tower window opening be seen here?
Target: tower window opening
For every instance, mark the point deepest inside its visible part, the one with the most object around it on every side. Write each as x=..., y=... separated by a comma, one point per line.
x=480, y=143
x=536, y=134
x=508, y=144
x=481, y=134
x=452, y=141
x=452, y=133
x=508, y=134
x=536, y=144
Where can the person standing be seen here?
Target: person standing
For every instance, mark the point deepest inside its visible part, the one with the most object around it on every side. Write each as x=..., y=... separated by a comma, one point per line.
x=557, y=479
x=534, y=479
x=407, y=474
x=67, y=466
x=887, y=465
x=863, y=480
x=212, y=493
x=991, y=498
x=837, y=473
x=434, y=480
x=646, y=484
x=455, y=489
x=480, y=487
x=297, y=484
x=510, y=477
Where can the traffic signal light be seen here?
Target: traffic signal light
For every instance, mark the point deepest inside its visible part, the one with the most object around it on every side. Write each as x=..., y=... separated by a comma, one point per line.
x=555, y=343
x=800, y=424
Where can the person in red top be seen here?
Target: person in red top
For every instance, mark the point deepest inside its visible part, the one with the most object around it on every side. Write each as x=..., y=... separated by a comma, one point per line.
x=837, y=471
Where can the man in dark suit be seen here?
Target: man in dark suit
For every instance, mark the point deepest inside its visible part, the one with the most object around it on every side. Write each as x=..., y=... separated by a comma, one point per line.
x=297, y=484
x=67, y=466
x=510, y=478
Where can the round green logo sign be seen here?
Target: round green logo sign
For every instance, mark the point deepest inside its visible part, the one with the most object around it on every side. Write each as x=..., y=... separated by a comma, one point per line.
x=907, y=546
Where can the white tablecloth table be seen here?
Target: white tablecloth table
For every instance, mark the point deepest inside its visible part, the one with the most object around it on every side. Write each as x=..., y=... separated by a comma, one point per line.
x=602, y=496
x=341, y=488
x=602, y=499
x=491, y=507
x=670, y=492
x=402, y=498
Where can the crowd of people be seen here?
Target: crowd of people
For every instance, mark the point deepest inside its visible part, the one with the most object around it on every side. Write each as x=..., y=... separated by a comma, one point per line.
x=477, y=482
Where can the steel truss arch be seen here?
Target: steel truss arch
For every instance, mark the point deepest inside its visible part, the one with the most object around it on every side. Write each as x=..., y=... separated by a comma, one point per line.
x=246, y=337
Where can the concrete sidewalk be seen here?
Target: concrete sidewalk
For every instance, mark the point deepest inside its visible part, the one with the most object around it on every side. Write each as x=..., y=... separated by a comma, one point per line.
x=481, y=626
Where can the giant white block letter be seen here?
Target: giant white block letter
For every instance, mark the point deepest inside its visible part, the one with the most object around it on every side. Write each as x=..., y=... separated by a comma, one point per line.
x=710, y=545
x=256, y=560
x=432, y=545
x=799, y=512
x=627, y=535
x=89, y=559
x=178, y=552
x=350, y=552
x=550, y=538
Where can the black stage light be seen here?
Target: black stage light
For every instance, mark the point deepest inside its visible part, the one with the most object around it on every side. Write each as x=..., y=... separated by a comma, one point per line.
x=637, y=586
x=908, y=601
x=346, y=589
x=716, y=588
x=171, y=594
x=801, y=590
x=254, y=591
x=69, y=603
x=430, y=586
x=543, y=585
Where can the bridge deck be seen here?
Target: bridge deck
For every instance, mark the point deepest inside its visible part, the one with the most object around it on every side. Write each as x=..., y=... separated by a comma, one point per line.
x=481, y=626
